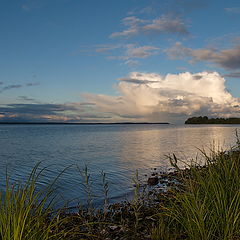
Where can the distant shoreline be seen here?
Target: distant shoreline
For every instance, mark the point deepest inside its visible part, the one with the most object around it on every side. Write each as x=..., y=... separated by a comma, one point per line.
x=206, y=120
x=69, y=123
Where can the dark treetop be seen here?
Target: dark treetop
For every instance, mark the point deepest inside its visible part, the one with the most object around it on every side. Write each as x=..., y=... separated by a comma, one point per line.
x=206, y=120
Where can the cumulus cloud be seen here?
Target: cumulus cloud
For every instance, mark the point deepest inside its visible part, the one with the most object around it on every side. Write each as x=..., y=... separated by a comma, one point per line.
x=164, y=24
x=152, y=97
x=225, y=58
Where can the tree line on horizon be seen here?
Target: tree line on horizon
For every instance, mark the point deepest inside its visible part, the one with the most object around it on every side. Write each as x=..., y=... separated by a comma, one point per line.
x=206, y=120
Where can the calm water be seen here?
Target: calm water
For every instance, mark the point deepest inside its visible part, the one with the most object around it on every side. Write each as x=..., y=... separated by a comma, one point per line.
x=116, y=149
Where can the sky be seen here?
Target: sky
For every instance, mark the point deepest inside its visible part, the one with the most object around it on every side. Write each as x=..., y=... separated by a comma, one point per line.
x=119, y=61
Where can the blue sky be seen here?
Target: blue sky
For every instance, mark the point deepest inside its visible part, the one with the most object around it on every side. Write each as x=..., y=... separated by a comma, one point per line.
x=128, y=60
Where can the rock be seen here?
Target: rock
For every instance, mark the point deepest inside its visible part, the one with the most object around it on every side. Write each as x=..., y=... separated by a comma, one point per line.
x=153, y=181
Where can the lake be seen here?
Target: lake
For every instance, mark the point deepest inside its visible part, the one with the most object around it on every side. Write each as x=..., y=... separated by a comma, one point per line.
x=118, y=150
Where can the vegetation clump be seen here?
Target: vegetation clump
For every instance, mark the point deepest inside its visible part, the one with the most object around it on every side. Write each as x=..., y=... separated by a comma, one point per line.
x=25, y=212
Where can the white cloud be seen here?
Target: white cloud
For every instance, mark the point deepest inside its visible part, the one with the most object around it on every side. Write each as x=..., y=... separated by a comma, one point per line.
x=152, y=97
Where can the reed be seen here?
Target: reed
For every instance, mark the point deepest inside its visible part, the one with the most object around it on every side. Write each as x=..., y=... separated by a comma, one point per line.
x=25, y=213
x=208, y=205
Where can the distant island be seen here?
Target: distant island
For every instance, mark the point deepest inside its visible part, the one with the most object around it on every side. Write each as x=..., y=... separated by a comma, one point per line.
x=206, y=120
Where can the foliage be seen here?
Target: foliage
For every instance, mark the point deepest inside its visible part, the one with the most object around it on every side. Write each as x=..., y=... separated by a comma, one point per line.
x=206, y=120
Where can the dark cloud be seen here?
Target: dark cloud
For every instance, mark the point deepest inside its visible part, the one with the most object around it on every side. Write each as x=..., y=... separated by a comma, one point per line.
x=136, y=81
x=15, y=86
x=37, y=109
x=25, y=98
x=172, y=24
x=86, y=104
x=232, y=75
x=12, y=86
x=197, y=77
x=225, y=58
x=166, y=24
x=35, y=112
x=9, y=87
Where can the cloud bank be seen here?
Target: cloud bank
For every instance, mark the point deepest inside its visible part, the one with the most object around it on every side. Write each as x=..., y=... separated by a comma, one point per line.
x=40, y=112
x=152, y=97
x=141, y=97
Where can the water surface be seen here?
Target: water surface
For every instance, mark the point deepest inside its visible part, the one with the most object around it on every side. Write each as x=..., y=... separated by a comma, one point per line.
x=118, y=150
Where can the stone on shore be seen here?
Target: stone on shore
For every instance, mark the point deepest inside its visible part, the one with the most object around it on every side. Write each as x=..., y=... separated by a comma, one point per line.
x=153, y=181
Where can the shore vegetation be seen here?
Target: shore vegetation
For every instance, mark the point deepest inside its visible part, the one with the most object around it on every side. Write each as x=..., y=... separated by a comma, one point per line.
x=206, y=120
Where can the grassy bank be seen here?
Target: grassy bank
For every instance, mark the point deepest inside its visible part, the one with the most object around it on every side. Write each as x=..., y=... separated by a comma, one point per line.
x=201, y=203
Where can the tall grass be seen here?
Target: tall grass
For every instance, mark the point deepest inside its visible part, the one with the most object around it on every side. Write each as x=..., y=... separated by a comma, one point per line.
x=208, y=206
x=25, y=212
